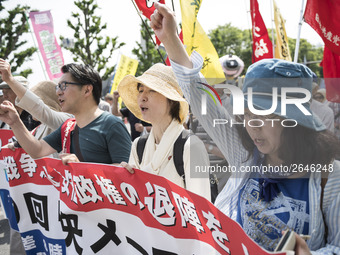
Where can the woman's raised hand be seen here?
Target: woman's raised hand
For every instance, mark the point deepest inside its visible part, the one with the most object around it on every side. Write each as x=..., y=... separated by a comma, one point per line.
x=163, y=22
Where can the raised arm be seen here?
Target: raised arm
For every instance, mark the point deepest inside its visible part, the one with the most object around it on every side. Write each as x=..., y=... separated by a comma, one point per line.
x=35, y=148
x=187, y=71
x=42, y=112
x=30, y=102
x=115, y=111
x=5, y=71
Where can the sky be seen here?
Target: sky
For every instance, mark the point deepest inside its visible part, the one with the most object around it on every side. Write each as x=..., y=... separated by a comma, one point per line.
x=123, y=21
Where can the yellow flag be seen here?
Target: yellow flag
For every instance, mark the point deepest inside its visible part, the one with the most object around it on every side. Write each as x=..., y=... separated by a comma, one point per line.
x=281, y=48
x=194, y=38
x=126, y=66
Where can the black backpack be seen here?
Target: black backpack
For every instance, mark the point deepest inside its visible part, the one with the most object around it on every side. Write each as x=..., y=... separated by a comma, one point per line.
x=178, y=157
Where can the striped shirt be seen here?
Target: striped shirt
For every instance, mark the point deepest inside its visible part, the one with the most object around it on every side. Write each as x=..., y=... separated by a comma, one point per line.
x=226, y=138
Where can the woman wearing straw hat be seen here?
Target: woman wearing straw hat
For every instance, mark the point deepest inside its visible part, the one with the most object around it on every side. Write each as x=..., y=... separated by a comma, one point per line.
x=156, y=98
x=262, y=200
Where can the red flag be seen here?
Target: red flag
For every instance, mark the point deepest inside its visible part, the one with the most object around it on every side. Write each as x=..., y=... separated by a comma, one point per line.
x=331, y=73
x=262, y=46
x=147, y=8
x=323, y=16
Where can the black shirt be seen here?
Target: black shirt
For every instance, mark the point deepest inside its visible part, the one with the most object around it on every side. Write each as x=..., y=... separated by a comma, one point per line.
x=28, y=121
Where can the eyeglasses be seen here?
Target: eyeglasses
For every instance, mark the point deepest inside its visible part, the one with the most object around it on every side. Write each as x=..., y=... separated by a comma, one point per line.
x=63, y=85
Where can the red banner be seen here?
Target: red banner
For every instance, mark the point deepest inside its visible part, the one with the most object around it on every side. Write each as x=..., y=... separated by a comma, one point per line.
x=50, y=50
x=103, y=209
x=262, y=46
x=323, y=16
x=331, y=73
x=5, y=137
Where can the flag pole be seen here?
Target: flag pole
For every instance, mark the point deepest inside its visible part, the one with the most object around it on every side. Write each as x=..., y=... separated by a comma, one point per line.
x=147, y=29
x=297, y=45
x=272, y=14
x=173, y=9
x=250, y=30
x=31, y=32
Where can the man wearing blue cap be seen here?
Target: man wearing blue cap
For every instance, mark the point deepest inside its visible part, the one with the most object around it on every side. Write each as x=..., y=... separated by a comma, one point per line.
x=278, y=147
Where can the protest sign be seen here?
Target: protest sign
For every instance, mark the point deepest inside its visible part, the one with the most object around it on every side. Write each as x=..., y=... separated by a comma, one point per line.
x=87, y=208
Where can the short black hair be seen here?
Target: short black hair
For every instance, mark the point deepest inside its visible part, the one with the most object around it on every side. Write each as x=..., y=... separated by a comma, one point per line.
x=85, y=74
x=175, y=107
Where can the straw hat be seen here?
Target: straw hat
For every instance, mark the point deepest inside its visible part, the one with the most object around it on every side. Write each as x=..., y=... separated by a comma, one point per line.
x=46, y=91
x=159, y=78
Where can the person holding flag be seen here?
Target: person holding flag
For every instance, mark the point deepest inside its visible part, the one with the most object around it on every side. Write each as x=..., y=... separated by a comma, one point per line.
x=264, y=201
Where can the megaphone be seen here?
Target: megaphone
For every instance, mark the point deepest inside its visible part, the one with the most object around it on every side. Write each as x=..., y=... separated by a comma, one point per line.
x=232, y=66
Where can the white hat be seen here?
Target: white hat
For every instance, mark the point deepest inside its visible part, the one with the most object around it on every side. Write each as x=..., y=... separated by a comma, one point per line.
x=20, y=79
x=159, y=78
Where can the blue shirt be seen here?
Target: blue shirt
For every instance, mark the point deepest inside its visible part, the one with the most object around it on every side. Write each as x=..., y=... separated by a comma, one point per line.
x=265, y=221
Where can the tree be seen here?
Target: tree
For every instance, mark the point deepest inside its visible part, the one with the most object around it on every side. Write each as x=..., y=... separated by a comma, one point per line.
x=89, y=45
x=309, y=55
x=146, y=52
x=232, y=40
x=13, y=25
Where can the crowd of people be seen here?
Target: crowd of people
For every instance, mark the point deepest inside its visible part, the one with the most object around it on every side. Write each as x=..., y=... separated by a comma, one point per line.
x=71, y=121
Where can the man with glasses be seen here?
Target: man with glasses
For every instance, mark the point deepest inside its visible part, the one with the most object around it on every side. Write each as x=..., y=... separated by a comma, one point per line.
x=92, y=136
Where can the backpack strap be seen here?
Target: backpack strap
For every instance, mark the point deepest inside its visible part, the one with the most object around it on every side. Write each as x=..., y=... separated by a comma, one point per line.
x=179, y=150
x=66, y=128
x=140, y=146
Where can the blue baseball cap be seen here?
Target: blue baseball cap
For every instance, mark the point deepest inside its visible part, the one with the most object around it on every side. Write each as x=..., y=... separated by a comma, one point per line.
x=267, y=74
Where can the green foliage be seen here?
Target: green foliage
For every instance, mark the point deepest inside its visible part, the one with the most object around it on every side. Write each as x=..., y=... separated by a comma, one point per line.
x=146, y=52
x=90, y=47
x=228, y=39
x=13, y=25
x=309, y=53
